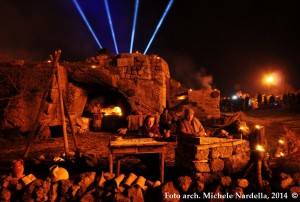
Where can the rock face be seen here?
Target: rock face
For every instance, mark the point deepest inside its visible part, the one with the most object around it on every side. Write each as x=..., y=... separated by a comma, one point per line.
x=139, y=81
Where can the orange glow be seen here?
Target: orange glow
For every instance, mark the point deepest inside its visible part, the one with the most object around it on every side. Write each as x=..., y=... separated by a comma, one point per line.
x=93, y=66
x=273, y=79
x=281, y=141
x=258, y=126
x=191, y=90
x=280, y=154
x=111, y=111
x=260, y=148
x=183, y=97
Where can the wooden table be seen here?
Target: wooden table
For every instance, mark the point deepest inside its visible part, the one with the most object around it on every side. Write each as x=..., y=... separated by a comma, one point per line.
x=137, y=146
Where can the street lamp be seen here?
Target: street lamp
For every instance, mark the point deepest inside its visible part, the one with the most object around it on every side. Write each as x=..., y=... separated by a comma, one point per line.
x=269, y=80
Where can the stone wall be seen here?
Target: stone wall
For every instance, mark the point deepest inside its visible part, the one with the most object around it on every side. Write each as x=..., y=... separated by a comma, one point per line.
x=140, y=78
x=204, y=157
x=206, y=102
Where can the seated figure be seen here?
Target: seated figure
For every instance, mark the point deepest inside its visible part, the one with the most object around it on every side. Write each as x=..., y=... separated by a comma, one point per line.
x=190, y=125
x=149, y=129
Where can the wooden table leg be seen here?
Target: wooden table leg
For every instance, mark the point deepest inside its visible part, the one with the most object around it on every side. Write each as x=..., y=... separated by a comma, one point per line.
x=118, y=166
x=110, y=162
x=162, y=167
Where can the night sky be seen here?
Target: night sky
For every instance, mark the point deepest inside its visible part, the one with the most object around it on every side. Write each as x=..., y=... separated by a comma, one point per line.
x=234, y=42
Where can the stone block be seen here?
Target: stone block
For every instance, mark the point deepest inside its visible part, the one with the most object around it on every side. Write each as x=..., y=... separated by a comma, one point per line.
x=202, y=154
x=235, y=163
x=121, y=62
x=169, y=190
x=184, y=183
x=226, y=181
x=222, y=152
x=242, y=183
x=216, y=165
x=199, y=166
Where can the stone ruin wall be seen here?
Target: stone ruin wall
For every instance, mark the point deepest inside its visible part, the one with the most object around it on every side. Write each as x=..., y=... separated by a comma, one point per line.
x=208, y=106
x=205, y=158
x=141, y=79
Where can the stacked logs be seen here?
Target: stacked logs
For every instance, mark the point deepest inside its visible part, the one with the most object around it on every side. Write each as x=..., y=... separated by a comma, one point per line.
x=88, y=187
x=108, y=187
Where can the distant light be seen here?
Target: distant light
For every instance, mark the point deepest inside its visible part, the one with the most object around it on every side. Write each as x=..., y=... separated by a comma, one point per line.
x=136, y=51
x=86, y=22
x=269, y=79
x=242, y=128
x=159, y=24
x=258, y=126
x=234, y=97
x=93, y=66
x=191, y=90
x=260, y=148
x=280, y=141
x=280, y=154
x=158, y=58
x=48, y=61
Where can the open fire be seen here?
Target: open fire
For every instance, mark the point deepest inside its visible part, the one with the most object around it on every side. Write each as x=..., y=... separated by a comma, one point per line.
x=112, y=110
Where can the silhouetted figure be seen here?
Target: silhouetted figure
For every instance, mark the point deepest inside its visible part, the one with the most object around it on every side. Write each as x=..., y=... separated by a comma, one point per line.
x=97, y=117
x=265, y=101
x=285, y=100
x=272, y=101
x=259, y=100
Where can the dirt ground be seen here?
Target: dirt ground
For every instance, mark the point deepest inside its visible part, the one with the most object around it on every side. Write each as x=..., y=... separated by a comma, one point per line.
x=95, y=144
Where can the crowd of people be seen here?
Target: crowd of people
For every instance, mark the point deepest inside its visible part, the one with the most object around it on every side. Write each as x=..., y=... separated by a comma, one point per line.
x=261, y=101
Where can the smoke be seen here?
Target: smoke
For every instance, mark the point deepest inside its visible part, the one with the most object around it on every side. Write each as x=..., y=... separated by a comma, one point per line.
x=205, y=81
x=184, y=70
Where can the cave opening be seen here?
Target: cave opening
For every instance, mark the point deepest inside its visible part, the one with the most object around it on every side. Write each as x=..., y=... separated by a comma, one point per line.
x=114, y=106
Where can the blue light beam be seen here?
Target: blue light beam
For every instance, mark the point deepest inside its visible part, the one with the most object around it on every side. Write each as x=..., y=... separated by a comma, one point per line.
x=159, y=24
x=86, y=22
x=134, y=24
x=111, y=25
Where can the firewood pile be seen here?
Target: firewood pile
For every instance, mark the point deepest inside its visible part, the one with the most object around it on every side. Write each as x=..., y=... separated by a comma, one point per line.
x=88, y=187
x=108, y=187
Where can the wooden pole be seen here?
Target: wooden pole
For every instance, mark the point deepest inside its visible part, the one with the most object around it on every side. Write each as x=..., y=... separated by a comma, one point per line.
x=71, y=125
x=31, y=136
x=62, y=112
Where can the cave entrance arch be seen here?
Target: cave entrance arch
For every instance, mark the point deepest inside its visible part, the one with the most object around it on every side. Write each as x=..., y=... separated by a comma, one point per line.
x=109, y=98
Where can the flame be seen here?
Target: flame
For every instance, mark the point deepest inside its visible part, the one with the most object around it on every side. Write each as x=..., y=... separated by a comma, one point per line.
x=242, y=128
x=191, y=90
x=182, y=97
x=48, y=61
x=280, y=141
x=260, y=148
x=258, y=126
x=280, y=154
x=112, y=111
x=93, y=66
